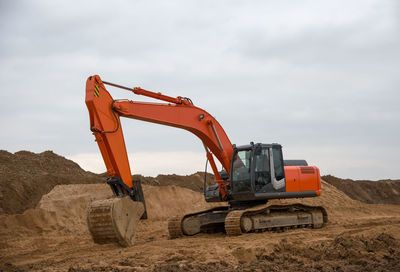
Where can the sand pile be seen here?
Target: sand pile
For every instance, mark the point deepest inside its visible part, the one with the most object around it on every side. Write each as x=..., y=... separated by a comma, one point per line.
x=161, y=202
x=26, y=176
x=64, y=208
x=373, y=192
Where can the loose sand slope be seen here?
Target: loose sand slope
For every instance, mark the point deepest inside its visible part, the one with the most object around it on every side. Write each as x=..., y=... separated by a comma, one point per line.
x=54, y=236
x=372, y=192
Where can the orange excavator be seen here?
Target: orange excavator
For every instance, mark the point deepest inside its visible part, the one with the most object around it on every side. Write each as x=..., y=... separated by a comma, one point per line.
x=252, y=174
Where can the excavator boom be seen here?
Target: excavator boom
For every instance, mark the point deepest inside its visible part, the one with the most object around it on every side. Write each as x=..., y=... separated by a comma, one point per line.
x=105, y=113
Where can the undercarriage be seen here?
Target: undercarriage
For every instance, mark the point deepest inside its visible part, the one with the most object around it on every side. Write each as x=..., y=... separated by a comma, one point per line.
x=235, y=220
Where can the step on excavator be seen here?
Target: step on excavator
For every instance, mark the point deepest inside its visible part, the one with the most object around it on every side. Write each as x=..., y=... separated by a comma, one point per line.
x=252, y=174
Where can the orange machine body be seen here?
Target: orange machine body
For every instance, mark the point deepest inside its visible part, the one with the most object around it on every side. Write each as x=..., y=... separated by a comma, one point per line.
x=302, y=178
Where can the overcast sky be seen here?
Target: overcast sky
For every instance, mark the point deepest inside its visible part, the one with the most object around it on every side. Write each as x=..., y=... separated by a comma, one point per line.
x=321, y=78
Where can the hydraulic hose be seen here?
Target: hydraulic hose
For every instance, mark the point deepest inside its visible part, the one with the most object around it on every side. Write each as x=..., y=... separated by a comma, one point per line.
x=205, y=179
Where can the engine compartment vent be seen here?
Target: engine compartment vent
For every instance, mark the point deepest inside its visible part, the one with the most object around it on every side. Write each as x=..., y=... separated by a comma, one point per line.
x=307, y=170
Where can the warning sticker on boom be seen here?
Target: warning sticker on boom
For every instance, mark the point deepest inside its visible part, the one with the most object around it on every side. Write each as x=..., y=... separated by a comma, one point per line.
x=96, y=91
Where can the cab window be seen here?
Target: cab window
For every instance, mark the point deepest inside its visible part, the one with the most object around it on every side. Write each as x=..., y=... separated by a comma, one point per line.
x=278, y=163
x=241, y=181
x=262, y=169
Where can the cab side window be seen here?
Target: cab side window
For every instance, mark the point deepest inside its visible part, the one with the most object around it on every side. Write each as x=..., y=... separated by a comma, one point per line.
x=278, y=163
x=262, y=171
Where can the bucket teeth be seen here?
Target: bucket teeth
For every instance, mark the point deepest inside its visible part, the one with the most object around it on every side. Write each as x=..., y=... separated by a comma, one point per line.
x=175, y=227
x=114, y=220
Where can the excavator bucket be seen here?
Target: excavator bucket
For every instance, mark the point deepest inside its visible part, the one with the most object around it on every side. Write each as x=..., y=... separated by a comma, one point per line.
x=114, y=220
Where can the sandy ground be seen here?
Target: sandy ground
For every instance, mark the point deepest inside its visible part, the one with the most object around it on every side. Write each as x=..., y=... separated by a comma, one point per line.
x=54, y=237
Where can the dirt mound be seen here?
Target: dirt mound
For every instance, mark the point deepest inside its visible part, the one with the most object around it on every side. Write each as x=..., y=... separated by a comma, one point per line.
x=25, y=177
x=161, y=201
x=64, y=208
x=372, y=192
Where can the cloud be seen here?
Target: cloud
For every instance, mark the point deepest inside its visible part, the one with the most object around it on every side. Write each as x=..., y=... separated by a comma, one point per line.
x=304, y=74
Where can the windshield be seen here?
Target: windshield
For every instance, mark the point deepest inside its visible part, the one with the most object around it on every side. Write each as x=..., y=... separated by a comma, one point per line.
x=241, y=171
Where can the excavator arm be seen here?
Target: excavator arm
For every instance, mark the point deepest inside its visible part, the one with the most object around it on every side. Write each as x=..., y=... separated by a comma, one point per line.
x=179, y=112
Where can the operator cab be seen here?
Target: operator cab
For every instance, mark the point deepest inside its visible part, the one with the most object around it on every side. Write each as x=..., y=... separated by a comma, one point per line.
x=259, y=173
x=257, y=169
